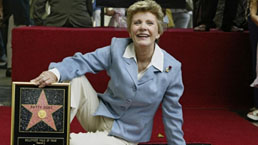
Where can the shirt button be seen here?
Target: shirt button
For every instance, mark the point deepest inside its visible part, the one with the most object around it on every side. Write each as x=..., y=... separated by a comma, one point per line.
x=122, y=107
x=134, y=88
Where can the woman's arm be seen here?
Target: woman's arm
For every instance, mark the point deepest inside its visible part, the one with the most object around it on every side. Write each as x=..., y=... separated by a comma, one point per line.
x=75, y=66
x=172, y=109
x=253, y=11
x=79, y=64
x=255, y=82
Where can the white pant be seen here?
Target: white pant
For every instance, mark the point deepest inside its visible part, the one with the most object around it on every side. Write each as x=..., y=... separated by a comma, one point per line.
x=84, y=102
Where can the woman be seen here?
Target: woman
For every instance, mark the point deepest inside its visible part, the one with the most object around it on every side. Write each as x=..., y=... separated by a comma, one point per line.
x=142, y=76
x=253, y=29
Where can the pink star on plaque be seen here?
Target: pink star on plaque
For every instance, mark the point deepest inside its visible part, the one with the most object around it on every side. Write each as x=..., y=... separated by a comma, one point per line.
x=42, y=111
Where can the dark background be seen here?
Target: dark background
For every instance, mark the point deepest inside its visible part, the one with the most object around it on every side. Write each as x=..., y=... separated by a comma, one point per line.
x=127, y=3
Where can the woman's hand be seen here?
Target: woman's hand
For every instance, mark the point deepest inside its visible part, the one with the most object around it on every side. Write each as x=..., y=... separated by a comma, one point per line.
x=255, y=83
x=44, y=79
x=255, y=19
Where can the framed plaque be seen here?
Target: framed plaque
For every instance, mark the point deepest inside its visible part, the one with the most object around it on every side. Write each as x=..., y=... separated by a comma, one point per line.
x=40, y=116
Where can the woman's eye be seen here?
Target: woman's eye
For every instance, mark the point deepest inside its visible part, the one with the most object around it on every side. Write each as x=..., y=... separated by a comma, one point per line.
x=137, y=22
x=150, y=23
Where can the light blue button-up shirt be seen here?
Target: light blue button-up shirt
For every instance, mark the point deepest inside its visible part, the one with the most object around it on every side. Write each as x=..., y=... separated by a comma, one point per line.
x=156, y=60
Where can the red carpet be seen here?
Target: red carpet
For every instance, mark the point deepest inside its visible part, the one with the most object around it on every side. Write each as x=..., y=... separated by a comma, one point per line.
x=216, y=127
x=5, y=125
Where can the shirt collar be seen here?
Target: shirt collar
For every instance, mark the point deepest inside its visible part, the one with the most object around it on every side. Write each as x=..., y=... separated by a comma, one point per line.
x=157, y=59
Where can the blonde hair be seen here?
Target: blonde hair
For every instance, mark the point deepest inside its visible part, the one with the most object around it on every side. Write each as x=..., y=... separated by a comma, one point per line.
x=145, y=6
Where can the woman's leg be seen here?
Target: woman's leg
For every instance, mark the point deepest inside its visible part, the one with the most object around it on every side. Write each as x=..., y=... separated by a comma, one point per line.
x=97, y=138
x=84, y=102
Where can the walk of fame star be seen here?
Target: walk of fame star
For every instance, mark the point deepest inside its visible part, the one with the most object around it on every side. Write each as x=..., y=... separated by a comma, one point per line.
x=42, y=111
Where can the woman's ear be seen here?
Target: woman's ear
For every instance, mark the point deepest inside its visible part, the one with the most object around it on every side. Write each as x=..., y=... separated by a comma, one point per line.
x=129, y=34
x=157, y=37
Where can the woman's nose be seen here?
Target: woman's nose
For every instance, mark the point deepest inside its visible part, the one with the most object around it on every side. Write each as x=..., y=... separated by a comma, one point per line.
x=143, y=26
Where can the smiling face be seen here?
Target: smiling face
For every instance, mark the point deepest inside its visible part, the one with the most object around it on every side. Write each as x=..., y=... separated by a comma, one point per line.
x=144, y=29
